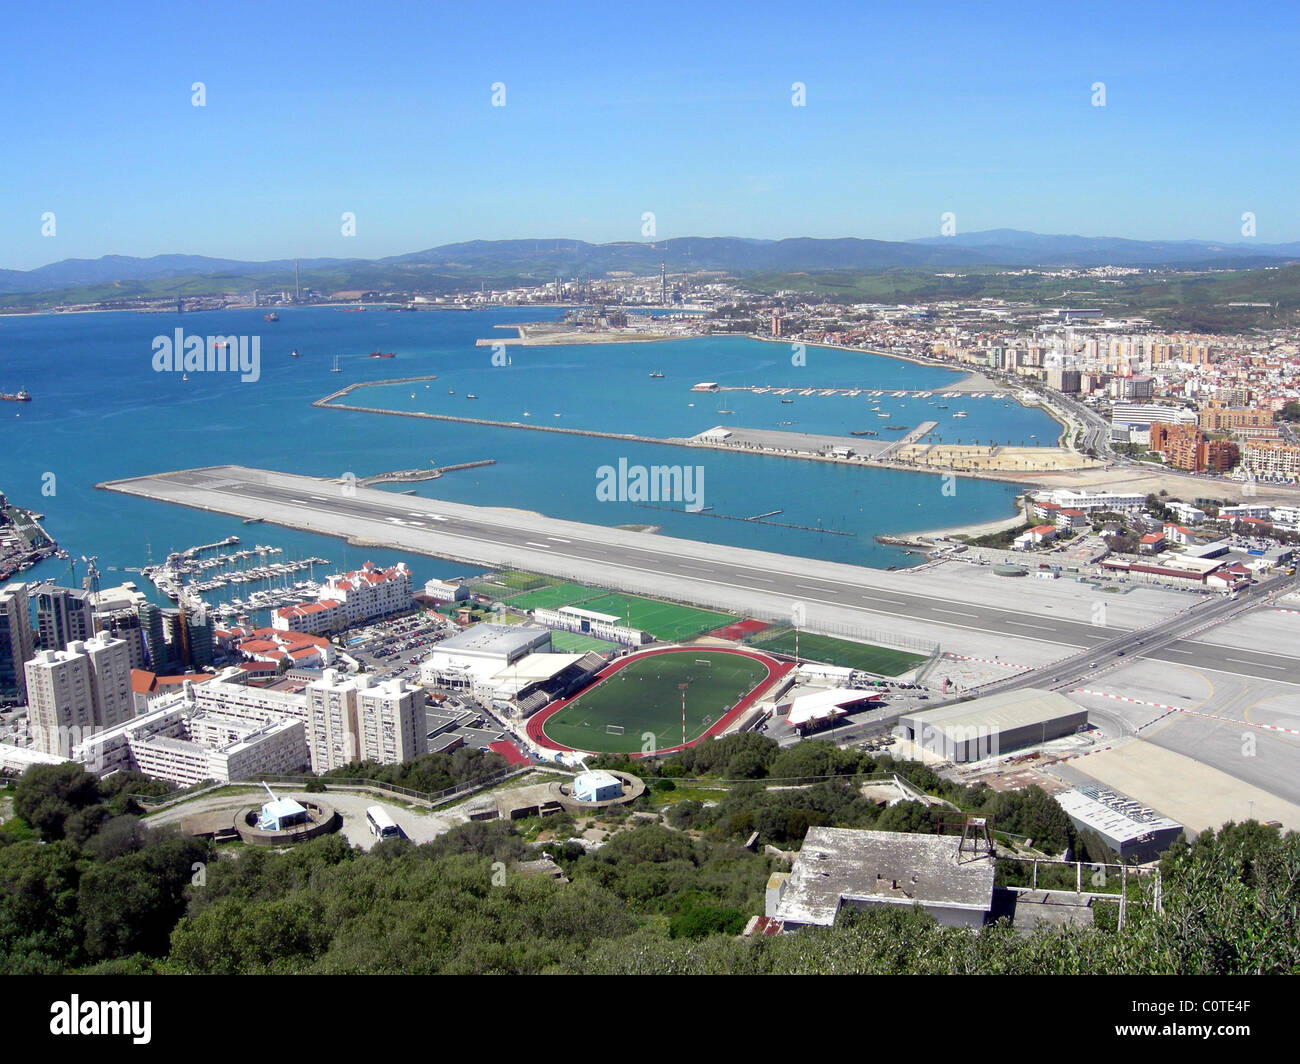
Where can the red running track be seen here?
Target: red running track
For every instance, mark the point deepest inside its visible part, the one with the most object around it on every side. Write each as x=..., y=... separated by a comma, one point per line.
x=775, y=671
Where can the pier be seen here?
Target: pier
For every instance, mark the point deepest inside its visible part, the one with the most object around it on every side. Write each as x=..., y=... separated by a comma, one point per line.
x=759, y=520
x=405, y=476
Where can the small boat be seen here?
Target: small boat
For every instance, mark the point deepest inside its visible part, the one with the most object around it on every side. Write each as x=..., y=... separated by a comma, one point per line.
x=726, y=411
x=864, y=432
x=273, y=316
x=185, y=376
x=382, y=354
x=787, y=400
x=294, y=353
x=895, y=426
x=657, y=376
x=961, y=413
x=527, y=414
x=335, y=368
x=555, y=415
x=471, y=395
x=451, y=391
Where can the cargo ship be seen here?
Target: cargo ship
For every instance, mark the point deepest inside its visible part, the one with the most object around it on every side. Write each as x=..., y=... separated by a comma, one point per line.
x=22, y=395
x=382, y=354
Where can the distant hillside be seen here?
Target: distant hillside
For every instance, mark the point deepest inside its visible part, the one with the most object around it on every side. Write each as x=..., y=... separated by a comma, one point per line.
x=538, y=260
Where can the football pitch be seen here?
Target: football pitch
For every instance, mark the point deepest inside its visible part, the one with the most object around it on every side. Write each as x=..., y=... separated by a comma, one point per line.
x=666, y=621
x=843, y=652
x=552, y=598
x=644, y=696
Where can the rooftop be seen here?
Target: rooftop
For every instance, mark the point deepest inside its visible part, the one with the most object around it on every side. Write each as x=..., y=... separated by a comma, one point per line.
x=838, y=865
x=1000, y=712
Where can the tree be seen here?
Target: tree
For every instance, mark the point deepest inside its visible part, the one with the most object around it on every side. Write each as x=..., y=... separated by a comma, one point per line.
x=47, y=795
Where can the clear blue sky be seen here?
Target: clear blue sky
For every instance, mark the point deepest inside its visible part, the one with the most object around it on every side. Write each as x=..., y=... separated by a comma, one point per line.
x=682, y=109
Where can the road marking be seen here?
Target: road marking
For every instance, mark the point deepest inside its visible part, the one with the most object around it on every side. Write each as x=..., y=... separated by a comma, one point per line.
x=557, y=539
x=955, y=613
x=530, y=543
x=1189, y=653
x=1035, y=627
x=697, y=568
x=809, y=587
x=762, y=578
x=1256, y=664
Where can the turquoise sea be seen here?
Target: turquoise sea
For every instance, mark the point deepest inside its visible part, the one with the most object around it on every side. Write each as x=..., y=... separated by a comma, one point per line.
x=101, y=412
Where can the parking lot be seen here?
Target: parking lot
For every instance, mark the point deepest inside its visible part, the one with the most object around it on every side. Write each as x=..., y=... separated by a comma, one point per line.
x=394, y=648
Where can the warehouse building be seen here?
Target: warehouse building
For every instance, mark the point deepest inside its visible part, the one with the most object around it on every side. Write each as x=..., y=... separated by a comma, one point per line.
x=847, y=868
x=987, y=727
x=480, y=653
x=1132, y=831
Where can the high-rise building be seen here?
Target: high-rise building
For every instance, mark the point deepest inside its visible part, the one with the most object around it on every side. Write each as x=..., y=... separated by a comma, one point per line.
x=63, y=616
x=391, y=725
x=16, y=644
x=76, y=692
x=332, y=721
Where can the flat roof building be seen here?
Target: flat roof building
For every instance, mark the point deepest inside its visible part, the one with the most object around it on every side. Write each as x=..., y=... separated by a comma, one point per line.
x=987, y=727
x=1131, y=830
x=844, y=867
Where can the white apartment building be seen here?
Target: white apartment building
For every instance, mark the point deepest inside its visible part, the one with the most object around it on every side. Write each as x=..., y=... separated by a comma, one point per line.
x=183, y=744
x=391, y=722
x=76, y=692
x=16, y=642
x=348, y=599
x=332, y=721
x=1088, y=501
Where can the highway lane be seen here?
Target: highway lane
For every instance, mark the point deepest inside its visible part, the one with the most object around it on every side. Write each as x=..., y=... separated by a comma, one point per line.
x=455, y=530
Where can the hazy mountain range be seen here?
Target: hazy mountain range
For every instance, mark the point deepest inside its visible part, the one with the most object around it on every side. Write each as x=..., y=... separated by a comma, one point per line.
x=546, y=259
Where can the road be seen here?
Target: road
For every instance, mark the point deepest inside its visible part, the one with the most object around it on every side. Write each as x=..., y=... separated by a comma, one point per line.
x=756, y=582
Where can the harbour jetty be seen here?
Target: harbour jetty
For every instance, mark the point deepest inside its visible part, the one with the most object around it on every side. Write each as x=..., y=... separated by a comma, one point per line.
x=405, y=476
x=844, y=450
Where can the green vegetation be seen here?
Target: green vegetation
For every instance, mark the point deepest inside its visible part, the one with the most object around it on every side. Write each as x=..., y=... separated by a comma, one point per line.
x=998, y=540
x=99, y=893
x=1191, y=300
x=428, y=773
x=887, y=661
x=577, y=643
x=644, y=696
x=666, y=621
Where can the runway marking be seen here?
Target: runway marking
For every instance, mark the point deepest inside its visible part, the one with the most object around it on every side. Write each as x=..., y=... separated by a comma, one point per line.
x=1189, y=653
x=1256, y=664
x=955, y=613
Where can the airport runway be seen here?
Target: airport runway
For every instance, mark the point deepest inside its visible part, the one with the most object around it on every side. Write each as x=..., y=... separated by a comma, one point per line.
x=768, y=585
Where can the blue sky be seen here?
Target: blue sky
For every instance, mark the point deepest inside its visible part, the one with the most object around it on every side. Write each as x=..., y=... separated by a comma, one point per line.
x=682, y=109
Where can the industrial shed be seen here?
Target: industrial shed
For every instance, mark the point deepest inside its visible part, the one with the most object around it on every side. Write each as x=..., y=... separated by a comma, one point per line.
x=1132, y=831
x=987, y=727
